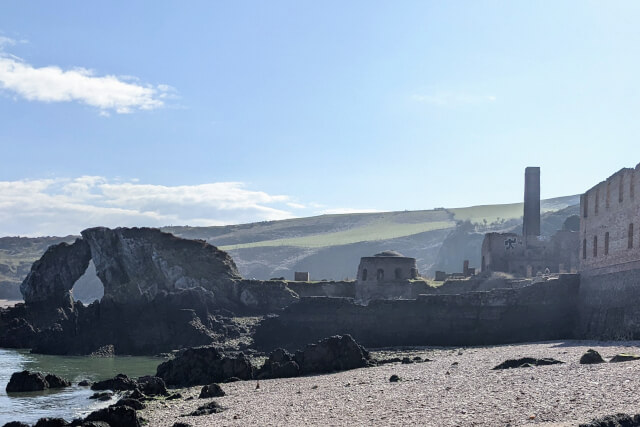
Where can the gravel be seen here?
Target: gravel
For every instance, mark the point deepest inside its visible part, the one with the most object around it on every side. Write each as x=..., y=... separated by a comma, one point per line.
x=440, y=392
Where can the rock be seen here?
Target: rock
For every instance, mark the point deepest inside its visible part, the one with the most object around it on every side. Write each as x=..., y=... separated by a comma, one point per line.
x=203, y=365
x=181, y=425
x=121, y=416
x=174, y=396
x=280, y=364
x=132, y=403
x=26, y=381
x=152, y=386
x=55, y=381
x=16, y=424
x=52, y=277
x=591, y=357
x=84, y=383
x=95, y=424
x=102, y=396
x=211, y=390
x=104, y=351
x=212, y=407
x=617, y=420
x=624, y=357
x=120, y=382
x=51, y=422
x=337, y=353
x=525, y=362
x=389, y=360
x=406, y=361
x=136, y=394
x=19, y=333
x=231, y=380
x=394, y=378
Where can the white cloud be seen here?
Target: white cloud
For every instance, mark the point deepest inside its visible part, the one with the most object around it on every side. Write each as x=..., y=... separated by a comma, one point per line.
x=67, y=206
x=453, y=99
x=52, y=84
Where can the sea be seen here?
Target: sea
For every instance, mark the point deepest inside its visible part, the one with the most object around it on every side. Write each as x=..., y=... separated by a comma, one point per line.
x=68, y=403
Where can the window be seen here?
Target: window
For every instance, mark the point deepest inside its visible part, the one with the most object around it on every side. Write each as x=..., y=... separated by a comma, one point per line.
x=364, y=275
x=630, y=237
x=584, y=249
x=380, y=274
x=595, y=246
x=606, y=243
x=398, y=273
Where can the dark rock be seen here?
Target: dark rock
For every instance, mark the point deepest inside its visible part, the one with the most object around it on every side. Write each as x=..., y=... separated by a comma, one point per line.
x=624, y=357
x=56, y=381
x=104, y=351
x=212, y=407
x=211, y=390
x=231, y=380
x=174, y=396
x=617, y=420
x=280, y=364
x=136, y=394
x=94, y=424
x=132, y=403
x=120, y=382
x=26, y=381
x=121, y=416
x=526, y=362
x=152, y=386
x=203, y=365
x=19, y=333
x=51, y=422
x=417, y=359
x=181, y=425
x=102, y=396
x=84, y=383
x=406, y=361
x=337, y=353
x=389, y=360
x=591, y=357
x=394, y=378
x=52, y=276
x=16, y=424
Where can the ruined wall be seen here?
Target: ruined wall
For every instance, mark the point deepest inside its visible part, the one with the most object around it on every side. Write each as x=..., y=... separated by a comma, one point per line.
x=341, y=289
x=610, y=224
x=543, y=311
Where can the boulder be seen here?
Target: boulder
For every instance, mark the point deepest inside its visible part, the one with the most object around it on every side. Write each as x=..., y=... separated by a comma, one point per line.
x=101, y=396
x=591, y=357
x=280, y=364
x=51, y=422
x=120, y=382
x=121, y=416
x=526, y=362
x=52, y=276
x=212, y=407
x=337, y=353
x=132, y=403
x=19, y=333
x=211, y=390
x=55, y=381
x=26, y=381
x=617, y=420
x=16, y=424
x=203, y=365
x=152, y=386
x=624, y=357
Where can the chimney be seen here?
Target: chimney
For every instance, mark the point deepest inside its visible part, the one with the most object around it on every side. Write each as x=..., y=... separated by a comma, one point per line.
x=531, y=223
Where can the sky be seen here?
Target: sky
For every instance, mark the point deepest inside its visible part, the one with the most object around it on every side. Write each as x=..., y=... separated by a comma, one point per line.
x=153, y=113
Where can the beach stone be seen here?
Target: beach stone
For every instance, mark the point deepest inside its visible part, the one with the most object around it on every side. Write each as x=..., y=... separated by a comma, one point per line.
x=26, y=381
x=617, y=420
x=211, y=390
x=394, y=378
x=152, y=386
x=132, y=403
x=84, y=383
x=203, y=365
x=624, y=357
x=136, y=394
x=104, y=351
x=406, y=361
x=591, y=357
x=102, y=396
x=51, y=422
x=181, y=425
x=337, y=353
x=120, y=382
x=55, y=381
x=526, y=362
x=212, y=407
x=174, y=396
x=121, y=416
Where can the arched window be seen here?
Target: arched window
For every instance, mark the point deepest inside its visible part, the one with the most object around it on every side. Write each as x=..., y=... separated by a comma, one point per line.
x=364, y=274
x=606, y=243
x=397, y=273
x=595, y=246
x=380, y=274
x=584, y=249
x=630, y=237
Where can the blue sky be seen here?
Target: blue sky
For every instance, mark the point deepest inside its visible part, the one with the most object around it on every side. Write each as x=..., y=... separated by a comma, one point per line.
x=206, y=113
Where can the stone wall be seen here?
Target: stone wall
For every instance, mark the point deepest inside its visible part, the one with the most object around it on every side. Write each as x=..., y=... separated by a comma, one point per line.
x=341, y=289
x=610, y=224
x=543, y=311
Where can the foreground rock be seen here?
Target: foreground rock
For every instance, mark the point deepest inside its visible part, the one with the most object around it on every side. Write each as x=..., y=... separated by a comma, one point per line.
x=121, y=416
x=624, y=357
x=211, y=390
x=591, y=357
x=617, y=420
x=210, y=408
x=526, y=362
x=203, y=365
x=26, y=381
x=120, y=382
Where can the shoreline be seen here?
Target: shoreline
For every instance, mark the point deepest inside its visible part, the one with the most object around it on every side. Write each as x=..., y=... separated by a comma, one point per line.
x=4, y=303
x=456, y=388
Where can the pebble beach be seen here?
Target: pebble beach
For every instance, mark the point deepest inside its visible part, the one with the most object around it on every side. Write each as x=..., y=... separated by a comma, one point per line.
x=457, y=387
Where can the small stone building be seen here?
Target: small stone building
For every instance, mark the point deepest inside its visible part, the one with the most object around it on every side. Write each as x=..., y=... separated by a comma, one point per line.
x=385, y=276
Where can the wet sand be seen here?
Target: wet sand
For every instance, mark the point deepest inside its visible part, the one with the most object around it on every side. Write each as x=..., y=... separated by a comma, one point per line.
x=457, y=388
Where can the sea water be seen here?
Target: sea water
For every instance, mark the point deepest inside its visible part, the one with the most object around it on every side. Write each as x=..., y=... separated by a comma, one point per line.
x=68, y=403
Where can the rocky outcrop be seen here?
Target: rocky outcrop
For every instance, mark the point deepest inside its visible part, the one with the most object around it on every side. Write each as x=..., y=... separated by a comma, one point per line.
x=526, y=362
x=211, y=390
x=203, y=365
x=120, y=382
x=337, y=353
x=34, y=381
x=52, y=276
x=591, y=357
x=122, y=416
